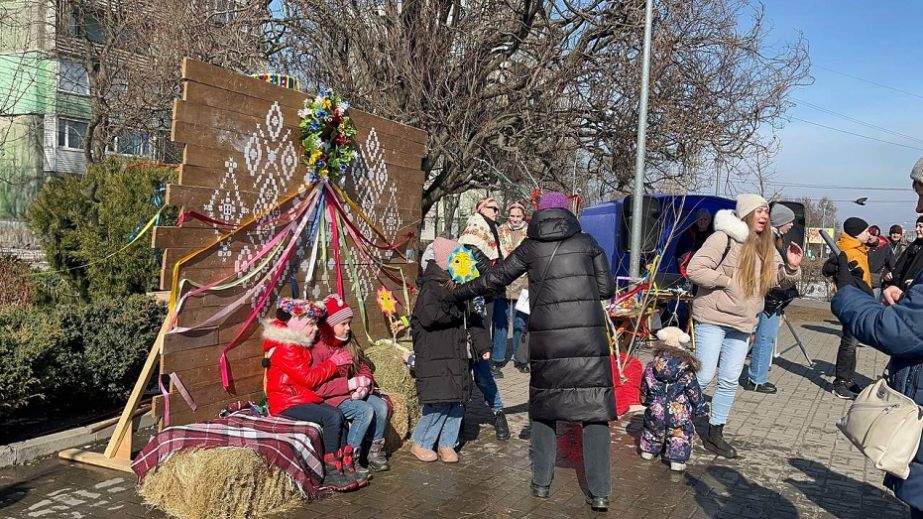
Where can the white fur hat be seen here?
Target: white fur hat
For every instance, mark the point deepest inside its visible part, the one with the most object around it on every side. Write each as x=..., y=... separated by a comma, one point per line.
x=673, y=336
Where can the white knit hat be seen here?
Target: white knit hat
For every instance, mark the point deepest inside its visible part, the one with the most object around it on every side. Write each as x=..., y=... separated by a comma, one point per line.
x=749, y=202
x=917, y=172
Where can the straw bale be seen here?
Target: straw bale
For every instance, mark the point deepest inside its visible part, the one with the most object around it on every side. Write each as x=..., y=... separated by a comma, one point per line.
x=226, y=482
x=395, y=380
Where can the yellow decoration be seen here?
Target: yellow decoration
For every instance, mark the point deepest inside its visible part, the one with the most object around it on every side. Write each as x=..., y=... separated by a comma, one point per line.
x=386, y=302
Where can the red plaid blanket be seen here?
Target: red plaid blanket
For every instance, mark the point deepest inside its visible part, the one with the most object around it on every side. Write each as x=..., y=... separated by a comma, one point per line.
x=288, y=445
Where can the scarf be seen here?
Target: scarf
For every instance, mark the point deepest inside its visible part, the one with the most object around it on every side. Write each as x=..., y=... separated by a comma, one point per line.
x=482, y=233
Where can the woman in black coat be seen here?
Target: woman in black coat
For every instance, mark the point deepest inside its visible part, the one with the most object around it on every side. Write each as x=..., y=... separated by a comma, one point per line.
x=571, y=374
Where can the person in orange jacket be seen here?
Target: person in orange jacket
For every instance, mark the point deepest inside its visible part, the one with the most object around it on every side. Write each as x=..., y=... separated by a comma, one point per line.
x=291, y=383
x=852, y=242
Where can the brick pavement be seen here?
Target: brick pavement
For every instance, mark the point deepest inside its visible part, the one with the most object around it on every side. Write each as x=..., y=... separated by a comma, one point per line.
x=793, y=463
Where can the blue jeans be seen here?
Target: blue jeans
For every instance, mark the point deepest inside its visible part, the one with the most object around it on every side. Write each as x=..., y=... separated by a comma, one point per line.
x=765, y=344
x=488, y=386
x=723, y=350
x=361, y=414
x=439, y=421
x=503, y=308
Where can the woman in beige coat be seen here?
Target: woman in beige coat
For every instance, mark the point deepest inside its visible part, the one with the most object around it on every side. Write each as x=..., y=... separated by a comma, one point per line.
x=734, y=270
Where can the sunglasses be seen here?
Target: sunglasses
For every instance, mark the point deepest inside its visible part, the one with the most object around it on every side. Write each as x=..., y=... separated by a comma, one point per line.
x=493, y=208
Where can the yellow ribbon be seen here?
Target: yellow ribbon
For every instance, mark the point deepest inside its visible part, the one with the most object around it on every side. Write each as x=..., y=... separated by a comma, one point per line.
x=142, y=232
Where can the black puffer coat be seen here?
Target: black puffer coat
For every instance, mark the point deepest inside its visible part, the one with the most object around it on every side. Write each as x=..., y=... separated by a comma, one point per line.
x=442, y=369
x=569, y=352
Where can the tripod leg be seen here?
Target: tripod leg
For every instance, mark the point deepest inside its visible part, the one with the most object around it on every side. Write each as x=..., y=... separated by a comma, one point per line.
x=804, y=350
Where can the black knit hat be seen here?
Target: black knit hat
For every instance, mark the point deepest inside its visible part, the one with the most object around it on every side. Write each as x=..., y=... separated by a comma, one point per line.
x=919, y=219
x=854, y=226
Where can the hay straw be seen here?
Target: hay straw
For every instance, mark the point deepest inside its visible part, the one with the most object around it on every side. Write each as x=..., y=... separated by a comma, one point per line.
x=226, y=482
x=394, y=379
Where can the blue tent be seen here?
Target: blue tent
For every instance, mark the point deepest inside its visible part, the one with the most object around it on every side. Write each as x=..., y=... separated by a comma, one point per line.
x=676, y=214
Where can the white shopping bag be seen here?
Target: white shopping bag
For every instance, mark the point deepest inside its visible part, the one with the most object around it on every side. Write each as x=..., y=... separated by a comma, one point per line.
x=522, y=304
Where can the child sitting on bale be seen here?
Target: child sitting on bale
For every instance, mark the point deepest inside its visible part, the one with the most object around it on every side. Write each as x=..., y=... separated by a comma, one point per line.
x=352, y=388
x=442, y=357
x=673, y=396
x=291, y=383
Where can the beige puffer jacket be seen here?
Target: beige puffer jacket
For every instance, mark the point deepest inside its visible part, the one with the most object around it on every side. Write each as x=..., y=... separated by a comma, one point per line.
x=720, y=300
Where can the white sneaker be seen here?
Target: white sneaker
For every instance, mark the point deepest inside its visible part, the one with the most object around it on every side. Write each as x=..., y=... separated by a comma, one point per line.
x=647, y=455
x=677, y=467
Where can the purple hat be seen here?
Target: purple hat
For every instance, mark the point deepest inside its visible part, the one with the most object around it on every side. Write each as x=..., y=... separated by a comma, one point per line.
x=554, y=200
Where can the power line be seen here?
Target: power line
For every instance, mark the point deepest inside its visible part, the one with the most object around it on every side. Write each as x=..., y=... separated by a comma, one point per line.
x=793, y=118
x=859, y=121
x=824, y=186
x=869, y=81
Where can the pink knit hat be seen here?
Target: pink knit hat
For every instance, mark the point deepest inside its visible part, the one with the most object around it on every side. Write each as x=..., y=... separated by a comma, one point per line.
x=554, y=200
x=337, y=310
x=442, y=249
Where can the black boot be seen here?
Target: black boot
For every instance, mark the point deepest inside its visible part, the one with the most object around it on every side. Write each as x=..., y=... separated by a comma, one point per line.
x=349, y=468
x=378, y=460
x=714, y=441
x=598, y=504
x=334, y=478
x=500, y=426
x=540, y=491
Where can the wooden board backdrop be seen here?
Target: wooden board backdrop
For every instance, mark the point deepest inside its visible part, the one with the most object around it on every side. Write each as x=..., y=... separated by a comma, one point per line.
x=243, y=156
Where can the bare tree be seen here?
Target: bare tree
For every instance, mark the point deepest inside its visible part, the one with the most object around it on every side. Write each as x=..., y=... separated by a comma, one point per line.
x=819, y=213
x=131, y=50
x=534, y=87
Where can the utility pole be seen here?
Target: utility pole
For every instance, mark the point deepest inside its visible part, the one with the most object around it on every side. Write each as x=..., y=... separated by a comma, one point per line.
x=638, y=195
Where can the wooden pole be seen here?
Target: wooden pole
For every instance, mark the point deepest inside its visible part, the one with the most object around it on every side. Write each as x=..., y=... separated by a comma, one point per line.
x=118, y=452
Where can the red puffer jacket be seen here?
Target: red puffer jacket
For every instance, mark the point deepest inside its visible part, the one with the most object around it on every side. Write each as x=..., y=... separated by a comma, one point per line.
x=290, y=379
x=336, y=390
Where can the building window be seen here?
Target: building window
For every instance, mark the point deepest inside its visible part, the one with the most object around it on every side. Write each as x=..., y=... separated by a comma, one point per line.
x=71, y=134
x=132, y=142
x=73, y=78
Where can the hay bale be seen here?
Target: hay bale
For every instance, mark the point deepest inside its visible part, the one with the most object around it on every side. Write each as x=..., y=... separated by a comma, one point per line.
x=227, y=482
x=394, y=379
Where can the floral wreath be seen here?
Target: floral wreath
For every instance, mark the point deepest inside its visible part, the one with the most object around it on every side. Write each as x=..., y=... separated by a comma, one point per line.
x=326, y=135
x=302, y=308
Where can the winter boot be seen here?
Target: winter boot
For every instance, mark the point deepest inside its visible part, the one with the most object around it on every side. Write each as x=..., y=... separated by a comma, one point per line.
x=647, y=455
x=378, y=460
x=500, y=426
x=677, y=467
x=598, y=504
x=334, y=478
x=349, y=468
x=714, y=441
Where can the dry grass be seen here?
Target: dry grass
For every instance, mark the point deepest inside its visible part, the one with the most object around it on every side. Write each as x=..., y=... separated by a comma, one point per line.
x=227, y=482
x=395, y=380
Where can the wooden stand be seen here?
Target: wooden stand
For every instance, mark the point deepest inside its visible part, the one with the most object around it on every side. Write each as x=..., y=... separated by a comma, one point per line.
x=118, y=453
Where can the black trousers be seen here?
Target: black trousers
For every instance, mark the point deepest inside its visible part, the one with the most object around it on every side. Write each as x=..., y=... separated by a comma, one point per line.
x=596, y=459
x=330, y=418
x=846, y=358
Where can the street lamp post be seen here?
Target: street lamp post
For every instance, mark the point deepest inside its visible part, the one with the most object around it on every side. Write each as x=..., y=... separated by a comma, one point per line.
x=634, y=264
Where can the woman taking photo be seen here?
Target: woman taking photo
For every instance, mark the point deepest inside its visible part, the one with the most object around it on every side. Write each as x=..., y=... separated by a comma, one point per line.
x=734, y=270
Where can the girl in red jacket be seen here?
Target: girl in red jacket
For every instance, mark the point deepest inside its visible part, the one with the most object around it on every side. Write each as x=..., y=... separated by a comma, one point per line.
x=291, y=382
x=351, y=388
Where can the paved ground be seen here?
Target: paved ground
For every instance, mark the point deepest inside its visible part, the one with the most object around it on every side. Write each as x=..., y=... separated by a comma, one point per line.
x=793, y=463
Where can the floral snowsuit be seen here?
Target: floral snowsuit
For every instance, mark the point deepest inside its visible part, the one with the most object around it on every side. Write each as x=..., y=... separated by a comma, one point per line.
x=672, y=395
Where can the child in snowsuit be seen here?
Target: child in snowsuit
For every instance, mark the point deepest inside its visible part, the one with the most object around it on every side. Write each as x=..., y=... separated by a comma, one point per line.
x=673, y=397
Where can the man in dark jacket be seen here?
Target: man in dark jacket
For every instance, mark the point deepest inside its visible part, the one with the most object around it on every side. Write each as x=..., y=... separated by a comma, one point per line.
x=893, y=328
x=881, y=260
x=910, y=263
x=571, y=376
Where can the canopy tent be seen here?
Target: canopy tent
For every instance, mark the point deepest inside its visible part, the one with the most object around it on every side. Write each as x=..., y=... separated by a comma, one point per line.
x=668, y=217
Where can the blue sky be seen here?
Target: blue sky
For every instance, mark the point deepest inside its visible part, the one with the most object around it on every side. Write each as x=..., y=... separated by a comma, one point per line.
x=876, y=41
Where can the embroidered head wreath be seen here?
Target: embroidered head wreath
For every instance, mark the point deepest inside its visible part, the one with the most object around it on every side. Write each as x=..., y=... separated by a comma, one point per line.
x=302, y=308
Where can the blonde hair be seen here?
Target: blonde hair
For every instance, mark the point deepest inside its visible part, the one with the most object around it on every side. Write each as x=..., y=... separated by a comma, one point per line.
x=758, y=249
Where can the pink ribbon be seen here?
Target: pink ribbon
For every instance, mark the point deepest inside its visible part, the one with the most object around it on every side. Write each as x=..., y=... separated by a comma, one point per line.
x=178, y=384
